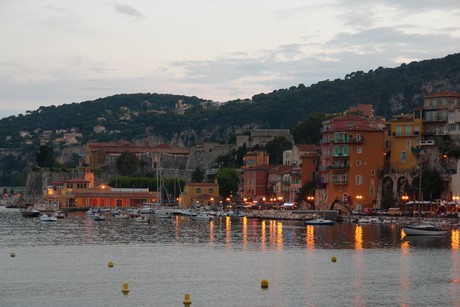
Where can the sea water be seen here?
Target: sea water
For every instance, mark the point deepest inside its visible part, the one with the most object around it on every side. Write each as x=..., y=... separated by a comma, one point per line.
x=222, y=263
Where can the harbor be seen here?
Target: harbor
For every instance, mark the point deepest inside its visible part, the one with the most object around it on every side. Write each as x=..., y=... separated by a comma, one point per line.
x=221, y=263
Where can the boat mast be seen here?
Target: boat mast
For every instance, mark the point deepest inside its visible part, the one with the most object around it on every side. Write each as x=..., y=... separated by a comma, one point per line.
x=420, y=178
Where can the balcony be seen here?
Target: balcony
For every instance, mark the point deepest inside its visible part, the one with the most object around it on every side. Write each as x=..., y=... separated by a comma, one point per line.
x=355, y=140
x=339, y=166
x=342, y=181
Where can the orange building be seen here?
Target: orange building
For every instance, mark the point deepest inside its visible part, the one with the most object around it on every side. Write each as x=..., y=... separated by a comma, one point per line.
x=81, y=193
x=352, y=152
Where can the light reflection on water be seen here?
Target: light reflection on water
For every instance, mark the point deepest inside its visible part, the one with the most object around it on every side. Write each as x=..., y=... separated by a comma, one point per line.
x=222, y=262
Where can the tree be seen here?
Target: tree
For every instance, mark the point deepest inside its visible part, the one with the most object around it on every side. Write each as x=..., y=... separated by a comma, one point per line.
x=198, y=175
x=127, y=163
x=308, y=131
x=276, y=147
x=228, y=180
x=45, y=156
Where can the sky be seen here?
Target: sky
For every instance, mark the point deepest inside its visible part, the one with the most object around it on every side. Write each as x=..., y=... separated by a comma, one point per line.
x=56, y=52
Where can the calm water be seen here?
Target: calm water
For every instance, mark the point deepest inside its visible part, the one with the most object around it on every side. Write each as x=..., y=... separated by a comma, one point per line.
x=222, y=263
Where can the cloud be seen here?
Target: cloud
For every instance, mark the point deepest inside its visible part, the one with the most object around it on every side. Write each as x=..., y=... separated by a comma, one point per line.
x=128, y=10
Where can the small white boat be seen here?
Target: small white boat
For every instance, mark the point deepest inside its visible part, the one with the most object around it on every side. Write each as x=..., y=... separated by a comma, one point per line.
x=202, y=217
x=319, y=221
x=163, y=214
x=423, y=230
x=98, y=217
x=146, y=210
x=59, y=214
x=121, y=216
x=141, y=219
x=47, y=218
x=367, y=220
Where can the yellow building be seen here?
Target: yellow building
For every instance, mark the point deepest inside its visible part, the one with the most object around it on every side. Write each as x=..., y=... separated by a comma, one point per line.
x=405, y=133
x=199, y=193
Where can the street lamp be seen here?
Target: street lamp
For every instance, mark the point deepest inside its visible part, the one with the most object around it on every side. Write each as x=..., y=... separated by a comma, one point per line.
x=455, y=198
x=359, y=198
x=311, y=200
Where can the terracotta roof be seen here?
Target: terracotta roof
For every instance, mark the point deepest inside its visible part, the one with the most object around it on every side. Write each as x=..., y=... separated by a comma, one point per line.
x=306, y=147
x=310, y=155
x=283, y=169
x=443, y=94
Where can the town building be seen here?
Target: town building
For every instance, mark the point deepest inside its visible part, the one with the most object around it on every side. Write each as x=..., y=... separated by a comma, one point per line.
x=81, y=193
x=352, y=152
x=197, y=194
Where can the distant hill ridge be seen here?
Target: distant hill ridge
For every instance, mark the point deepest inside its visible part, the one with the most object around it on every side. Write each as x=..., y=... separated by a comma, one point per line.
x=189, y=120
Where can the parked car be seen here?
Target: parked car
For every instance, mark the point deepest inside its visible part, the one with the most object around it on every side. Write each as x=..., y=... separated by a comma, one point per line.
x=367, y=211
x=381, y=212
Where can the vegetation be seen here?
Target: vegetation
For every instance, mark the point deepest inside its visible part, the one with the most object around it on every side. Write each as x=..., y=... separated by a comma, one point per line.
x=228, y=180
x=127, y=164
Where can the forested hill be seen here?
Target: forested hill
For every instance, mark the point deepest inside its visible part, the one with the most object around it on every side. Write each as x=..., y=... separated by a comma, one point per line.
x=130, y=116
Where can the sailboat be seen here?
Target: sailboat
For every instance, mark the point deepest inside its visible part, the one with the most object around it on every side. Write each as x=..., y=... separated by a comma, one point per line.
x=421, y=228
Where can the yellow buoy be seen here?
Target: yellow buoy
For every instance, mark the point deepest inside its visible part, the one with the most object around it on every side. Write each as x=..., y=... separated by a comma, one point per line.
x=187, y=301
x=264, y=283
x=334, y=259
x=125, y=288
x=13, y=254
x=110, y=264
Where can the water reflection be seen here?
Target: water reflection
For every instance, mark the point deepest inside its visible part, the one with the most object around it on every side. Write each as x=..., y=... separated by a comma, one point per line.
x=310, y=237
x=244, y=233
x=358, y=237
x=455, y=238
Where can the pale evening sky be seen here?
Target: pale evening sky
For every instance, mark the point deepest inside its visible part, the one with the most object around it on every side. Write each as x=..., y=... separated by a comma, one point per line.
x=55, y=52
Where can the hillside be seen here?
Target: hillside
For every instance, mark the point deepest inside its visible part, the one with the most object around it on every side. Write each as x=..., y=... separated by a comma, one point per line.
x=128, y=116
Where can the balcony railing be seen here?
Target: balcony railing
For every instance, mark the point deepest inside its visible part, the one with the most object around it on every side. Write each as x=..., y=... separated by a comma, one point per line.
x=348, y=140
x=340, y=155
x=343, y=181
x=339, y=166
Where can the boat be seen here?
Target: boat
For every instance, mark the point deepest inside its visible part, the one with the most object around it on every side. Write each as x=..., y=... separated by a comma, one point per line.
x=59, y=214
x=121, y=216
x=47, y=218
x=146, y=210
x=163, y=214
x=29, y=212
x=423, y=229
x=319, y=221
x=202, y=217
x=371, y=220
x=98, y=217
x=141, y=219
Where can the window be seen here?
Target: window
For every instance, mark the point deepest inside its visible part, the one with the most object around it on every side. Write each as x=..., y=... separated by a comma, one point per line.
x=371, y=190
x=345, y=137
x=198, y=190
x=408, y=129
x=372, y=172
x=345, y=150
x=416, y=130
x=408, y=145
x=359, y=149
x=398, y=130
x=387, y=144
x=211, y=190
x=336, y=150
x=358, y=162
x=372, y=181
x=403, y=156
x=359, y=179
x=336, y=136
x=350, y=124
